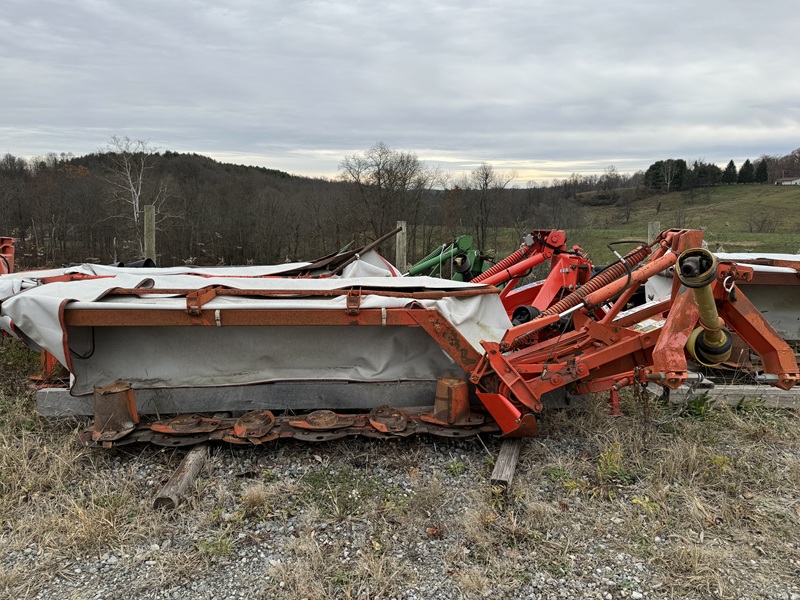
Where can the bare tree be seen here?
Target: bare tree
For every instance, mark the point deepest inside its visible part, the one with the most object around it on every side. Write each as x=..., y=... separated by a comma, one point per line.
x=486, y=186
x=761, y=222
x=669, y=171
x=133, y=184
x=388, y=185
x=610, y=182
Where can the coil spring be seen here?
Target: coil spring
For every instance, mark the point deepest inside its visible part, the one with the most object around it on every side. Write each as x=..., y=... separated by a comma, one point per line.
x=609, y=275
x=503, y=264
x=581, y=252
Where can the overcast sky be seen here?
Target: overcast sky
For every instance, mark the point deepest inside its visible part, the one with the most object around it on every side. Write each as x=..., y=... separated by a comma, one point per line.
x=541, y=87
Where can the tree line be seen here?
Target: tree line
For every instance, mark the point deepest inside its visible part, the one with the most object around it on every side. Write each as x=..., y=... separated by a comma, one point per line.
x=675, y=174
x=62, y=208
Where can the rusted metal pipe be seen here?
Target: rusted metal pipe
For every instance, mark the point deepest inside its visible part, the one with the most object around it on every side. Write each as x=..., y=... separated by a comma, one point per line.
x=523, y=252
x=599, y=281
x=575, y=300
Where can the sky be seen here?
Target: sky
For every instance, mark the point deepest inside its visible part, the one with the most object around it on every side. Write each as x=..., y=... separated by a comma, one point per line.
x=541, y=88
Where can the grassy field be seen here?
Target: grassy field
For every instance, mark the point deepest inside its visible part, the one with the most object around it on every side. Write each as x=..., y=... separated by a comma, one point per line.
x=735, y=218
x=738, y=218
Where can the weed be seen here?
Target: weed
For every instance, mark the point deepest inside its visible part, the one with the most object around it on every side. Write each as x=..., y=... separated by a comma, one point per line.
x=644, y=545
x=456, y=467
x=610, y=468
x=749, y=404
x=575, y=486
x=646, y=504
x=719, y=463
x=699, y=406
x=340, y=578
x=217, y=547
x=557, y=473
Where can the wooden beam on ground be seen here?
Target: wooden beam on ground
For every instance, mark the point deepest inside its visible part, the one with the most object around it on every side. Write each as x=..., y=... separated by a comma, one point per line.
x=170, y=495
x=732, y=395
x=503, y=473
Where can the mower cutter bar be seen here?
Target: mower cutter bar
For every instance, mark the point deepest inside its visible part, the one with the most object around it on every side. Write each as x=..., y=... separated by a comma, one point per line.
x=259, y=427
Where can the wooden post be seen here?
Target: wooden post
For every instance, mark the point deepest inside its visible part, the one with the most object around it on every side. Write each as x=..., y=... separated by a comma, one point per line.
x=150, y=231
x=401, y=251
x=190, y=466
x=503, y=473
x=653, y=229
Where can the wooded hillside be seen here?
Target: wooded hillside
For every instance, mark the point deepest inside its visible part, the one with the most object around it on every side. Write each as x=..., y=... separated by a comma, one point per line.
x=63, y=209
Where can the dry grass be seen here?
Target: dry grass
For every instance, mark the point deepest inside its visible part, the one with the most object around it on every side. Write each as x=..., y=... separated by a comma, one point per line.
x=321, y=570
x=705, y=505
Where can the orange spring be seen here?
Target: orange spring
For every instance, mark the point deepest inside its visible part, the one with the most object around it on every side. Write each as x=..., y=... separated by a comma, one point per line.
x=581, y=252
x=600, y=280
x=503, y=264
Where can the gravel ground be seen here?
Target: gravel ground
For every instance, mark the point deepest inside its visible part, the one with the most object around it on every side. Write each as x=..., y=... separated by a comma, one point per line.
x=654, y=504
x=705, y=505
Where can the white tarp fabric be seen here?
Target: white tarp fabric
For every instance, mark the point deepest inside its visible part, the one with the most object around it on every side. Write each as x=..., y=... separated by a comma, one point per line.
x=162, y=357
x=369, y=264
x=751, y=256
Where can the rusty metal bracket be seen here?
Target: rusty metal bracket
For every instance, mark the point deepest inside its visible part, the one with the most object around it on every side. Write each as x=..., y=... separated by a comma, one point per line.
x=321, y=420
x=451, y=406
x=387, y=419
x=197, y=298
x=734, y=271
x=115, y=413
x=186, y=425
x=353, y=301
x=511, y=377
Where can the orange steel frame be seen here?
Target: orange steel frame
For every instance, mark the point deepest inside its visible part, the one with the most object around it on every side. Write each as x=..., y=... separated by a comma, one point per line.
x=607, y=354
x=601, y=353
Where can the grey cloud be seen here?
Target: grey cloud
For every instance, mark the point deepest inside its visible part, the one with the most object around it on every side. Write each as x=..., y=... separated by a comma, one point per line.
x=578, y=83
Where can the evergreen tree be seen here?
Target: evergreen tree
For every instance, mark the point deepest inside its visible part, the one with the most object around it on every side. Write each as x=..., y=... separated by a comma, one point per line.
x=729, y=174
x=746, y=173
x=653, y=177
x=761, y=174
x=672, y=172
x=706, y=173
